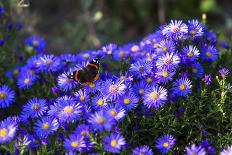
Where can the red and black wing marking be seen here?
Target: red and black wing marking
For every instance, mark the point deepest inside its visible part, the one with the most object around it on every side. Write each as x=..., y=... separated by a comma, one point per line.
x=92, y=70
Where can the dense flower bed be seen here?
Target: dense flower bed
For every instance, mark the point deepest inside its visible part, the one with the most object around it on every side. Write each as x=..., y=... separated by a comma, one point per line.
x=162, y=94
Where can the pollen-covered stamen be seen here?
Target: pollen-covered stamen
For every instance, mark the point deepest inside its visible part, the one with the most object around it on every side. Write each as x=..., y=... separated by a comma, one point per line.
x=166, y=144
x=2, y=95
x=101, y=120
x=208, y=54
x=113, y=112
x=165, y=74
x=113, y=88
x=26, y=81
x=46, y=126
x=35, y=43
x=192, y=32
x=182, y=87
x=126, y=101
x=175, y=29
x=35, y=107
x=68, y=109
x=3, y=132
x=190, y=54
x=135, y=48
x=154, y=95
x=113, y=143
x=121, y=53
x=74, y=144
x=100, y=102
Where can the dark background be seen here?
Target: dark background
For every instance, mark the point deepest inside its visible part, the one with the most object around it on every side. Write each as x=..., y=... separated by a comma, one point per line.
x=79, y=25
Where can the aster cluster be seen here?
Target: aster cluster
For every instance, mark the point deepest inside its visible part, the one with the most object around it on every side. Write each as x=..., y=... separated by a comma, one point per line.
x=160, y=70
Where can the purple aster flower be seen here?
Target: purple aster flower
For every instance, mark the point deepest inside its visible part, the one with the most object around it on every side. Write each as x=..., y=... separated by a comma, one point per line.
x=191, y=53
x=120, y=53
x=197, y=69
x=74, y=143
x=7, y=96
x=2, y=11
x=46, y=126
x=115, y=111
x=175, y=30
x=211, y=37
x=142, y=150
x=128, y=101
x=82, y=130
x=141, y=68
x=195, y=28
x=168, y=60
x=182, y=87
x=113, y=89
x=66, y=109
x=207, y=79
x=37, y=43
x=50, y=63
x=8, y=128
x=114, y=142
x=26, y=80
x=68, y=59
x=224, y=72
x=132, y=49
x=99, y=102
x=34, y=62
x=65, y=83
x=209, y=53
x=165, y=143
x=166, y=46
x=227, y=151
x=156, y=97
x=101, y=120
x=211, y=149
x=141, y=88
x=197, y=150
x=164, y=75
x=109, y=49
x=35, y=108
x=82, y=96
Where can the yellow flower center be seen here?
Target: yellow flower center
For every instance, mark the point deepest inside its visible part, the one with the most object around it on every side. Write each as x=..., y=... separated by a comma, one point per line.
x=3, y=132
x=208, y=54
x=113, y=143
x=100, y=102
x=182, y=87
x=46, y=126
x=190, y=54
x=82, y=98
x=27, y=80
x=166, y=144
x=126, y=101
x=15, y=71
x=175, y=29
x=68, y=109
x=75, y=144
x=2, y=95
x=165, y=74
x=113, y=89
x=35, y=43
x=156, y=45
x=123, y=78
x=149, y=80
x=141, y=91
x=35, y=107
x=194, y=70
x=192, y=32
x=121, y=53
x=91, y=85
x=135, y=48
x=32, y=72
x=154, y=95
x=83, y=133
x=86, y=56
x=113, y=112
x=109, y=52
x=149, y=59
x=101, y=121
x=164, y=49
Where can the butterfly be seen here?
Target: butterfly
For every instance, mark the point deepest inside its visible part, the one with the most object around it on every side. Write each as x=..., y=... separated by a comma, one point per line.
x=88, y=74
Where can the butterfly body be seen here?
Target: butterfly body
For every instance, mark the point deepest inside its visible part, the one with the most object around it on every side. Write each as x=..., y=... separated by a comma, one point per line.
x=87, y=74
